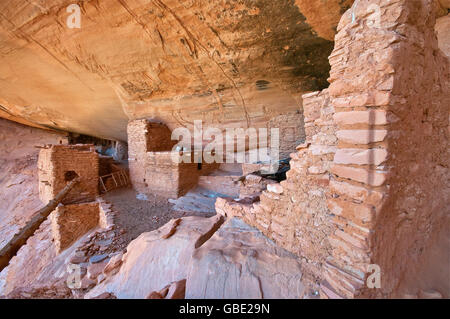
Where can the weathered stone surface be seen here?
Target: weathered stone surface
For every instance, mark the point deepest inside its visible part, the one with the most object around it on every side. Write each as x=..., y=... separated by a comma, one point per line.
x=70, y=222
x=362, y=175
x=355, y=192
x=152, y=262
x=375, y=156
x=240, y=262
x=322, y=16
x=395, y=215
x=98, y=258
x=59, y=164
x=298, y=218
x=113, y=265
x=154, y=295
x=88, y=283
x=378, y=117
x=361, y=136
x=37, y=263
x=177, y=290
x=105, y=295
x=220, y=61
x=372, y=78
x=19, y=195
x=94, y=270
x=275, y=188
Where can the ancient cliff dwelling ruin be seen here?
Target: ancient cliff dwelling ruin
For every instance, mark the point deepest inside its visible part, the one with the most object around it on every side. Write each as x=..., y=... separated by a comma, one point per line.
x=168, y=149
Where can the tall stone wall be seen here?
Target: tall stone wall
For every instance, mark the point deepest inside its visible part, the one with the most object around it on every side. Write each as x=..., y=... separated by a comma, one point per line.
x=384, y=173
x=151, y=162
x=389, y=86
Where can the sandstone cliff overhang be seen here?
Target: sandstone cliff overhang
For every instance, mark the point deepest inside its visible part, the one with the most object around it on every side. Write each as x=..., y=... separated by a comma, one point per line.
x=219, y=61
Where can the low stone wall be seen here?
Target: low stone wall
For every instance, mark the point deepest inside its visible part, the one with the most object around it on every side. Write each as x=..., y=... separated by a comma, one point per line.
x=70, y=222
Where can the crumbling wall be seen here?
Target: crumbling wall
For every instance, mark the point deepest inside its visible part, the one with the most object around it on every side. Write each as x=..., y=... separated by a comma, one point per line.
x=167, y=177
x=291, y=130
x=384, y=172
x=59, y=163
x=389, y=85
x=19, y=191
x=137, y=150
x=149, y=145
x=70, y=222
x=294, y=213
x=148, y=136
x=154, y=168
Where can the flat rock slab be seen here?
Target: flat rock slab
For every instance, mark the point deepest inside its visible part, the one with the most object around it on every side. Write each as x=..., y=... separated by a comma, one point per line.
x=152, y=262
x=98, y=258
x=240, y=262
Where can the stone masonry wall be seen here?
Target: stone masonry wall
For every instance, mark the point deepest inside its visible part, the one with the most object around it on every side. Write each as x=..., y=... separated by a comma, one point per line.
x=167, y=178
x=137, y=150
x=380, y=163
x=152, y=169
x=70, y=222
x=294, y=213
x=291, y=130
x=55, y=161
x=390, y=89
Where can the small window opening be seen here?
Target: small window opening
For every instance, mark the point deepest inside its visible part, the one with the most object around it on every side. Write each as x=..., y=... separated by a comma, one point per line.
x=70, y=176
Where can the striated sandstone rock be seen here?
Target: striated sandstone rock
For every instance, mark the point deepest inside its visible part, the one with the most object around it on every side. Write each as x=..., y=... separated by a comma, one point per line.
x=370, y=177
x=240, y=262
x=94, y=270
x=152, y=262
x=378, y=117
x=324, y=15
x=177, y=290
x=220, y=61
x=375, y=156
x=361, y=136
x=113, y=265
x=19, y=191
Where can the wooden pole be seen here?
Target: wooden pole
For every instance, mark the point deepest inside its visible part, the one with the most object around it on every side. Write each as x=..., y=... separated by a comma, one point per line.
x=19, y=239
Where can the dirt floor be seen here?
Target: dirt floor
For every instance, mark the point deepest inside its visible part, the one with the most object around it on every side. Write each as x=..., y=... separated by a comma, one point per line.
x=134, y=216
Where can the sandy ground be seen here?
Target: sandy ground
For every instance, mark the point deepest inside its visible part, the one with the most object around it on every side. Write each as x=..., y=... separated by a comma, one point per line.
x=135, y=216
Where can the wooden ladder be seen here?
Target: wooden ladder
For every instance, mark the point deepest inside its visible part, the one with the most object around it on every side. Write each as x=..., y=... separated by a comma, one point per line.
x=120, y=178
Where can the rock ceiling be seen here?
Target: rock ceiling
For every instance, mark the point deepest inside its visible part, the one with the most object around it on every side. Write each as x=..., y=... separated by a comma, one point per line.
x=227, y=62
